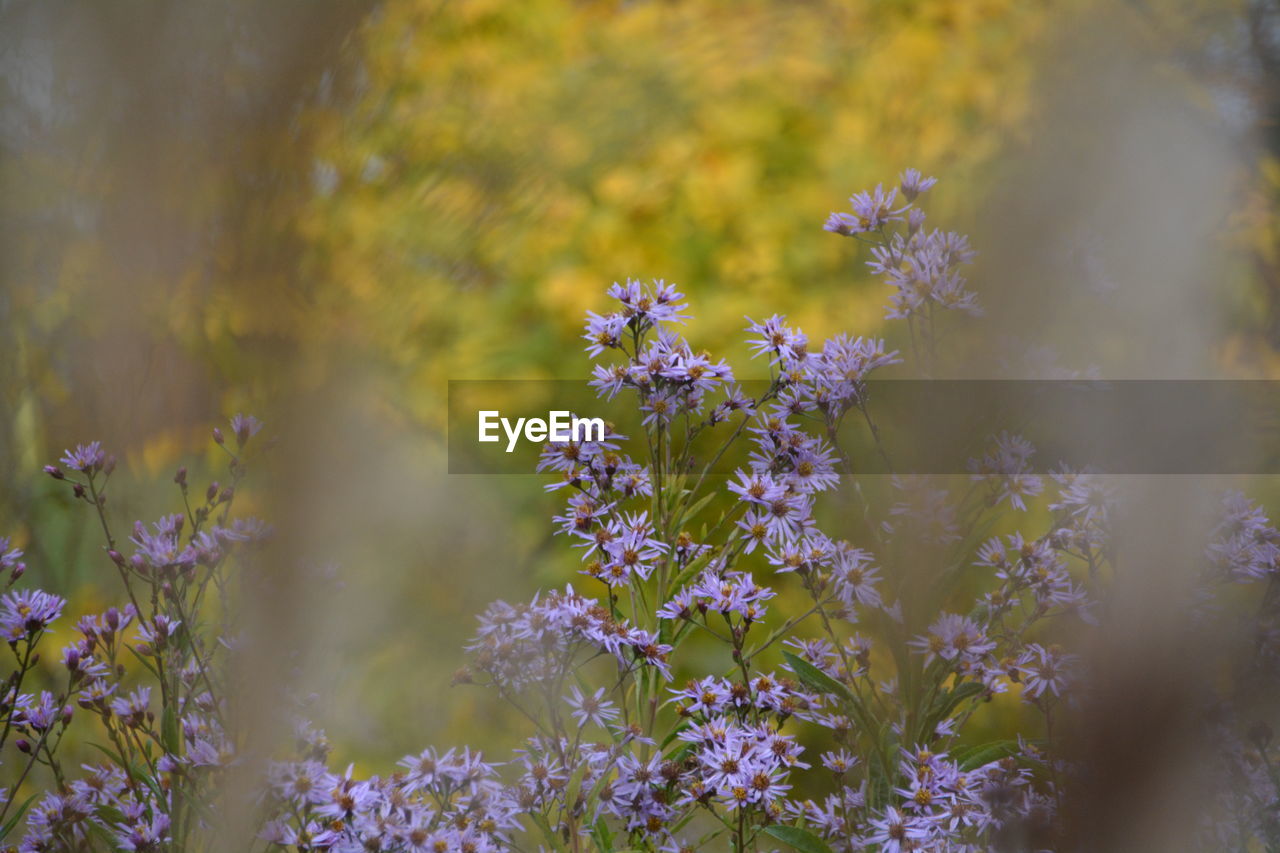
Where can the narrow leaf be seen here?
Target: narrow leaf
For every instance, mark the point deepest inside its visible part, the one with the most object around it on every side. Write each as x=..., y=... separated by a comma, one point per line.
x=800, y=839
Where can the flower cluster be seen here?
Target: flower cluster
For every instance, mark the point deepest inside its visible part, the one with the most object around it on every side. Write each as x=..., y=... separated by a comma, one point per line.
x=439, y=801
x=921, y=264
x=746, y=674
x=520, y=645
x=147, y=679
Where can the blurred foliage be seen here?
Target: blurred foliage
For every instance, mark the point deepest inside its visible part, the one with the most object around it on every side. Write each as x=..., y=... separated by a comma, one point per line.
x=505, y=162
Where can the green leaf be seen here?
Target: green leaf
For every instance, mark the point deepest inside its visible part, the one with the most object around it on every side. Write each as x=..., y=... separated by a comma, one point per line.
x=602, y=835
x=575, y=783
x=114, y=756
x=694, y=567
x=947, y=702
x=697, y=507
x=547, y=832
x=675, y=733
x=819, y=680
x=800, y=839
x=169, y=732
x=970, y=758
x=17, y=816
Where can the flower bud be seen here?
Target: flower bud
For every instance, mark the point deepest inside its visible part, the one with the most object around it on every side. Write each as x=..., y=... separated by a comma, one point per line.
x=915, y=220
x=211, y=492
x=181, y=477
x=109, y=465
x=116, y=557
x=23, y=745
x=217, y=436
x=55, y=472
x=78, y=490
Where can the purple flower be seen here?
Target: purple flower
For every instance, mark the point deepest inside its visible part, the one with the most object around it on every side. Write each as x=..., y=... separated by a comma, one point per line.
x=896, y=832
x=873, y=210
x=783, y=344
x=1007, y=468
x=954, y=638
x=649, y=306
x=245, y=427
x=134, y=708
x=86, y=458
x=593, y=708
x=40, y=714
x=845, y=224
x=604, y=332
x=143, y=834
x=11, y=559
x=913, y=183
x=1045, y=668
x=28, y=611
x=163, y=548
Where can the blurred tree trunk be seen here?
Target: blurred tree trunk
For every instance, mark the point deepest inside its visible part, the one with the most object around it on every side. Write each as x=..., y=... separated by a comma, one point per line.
x=150, y=158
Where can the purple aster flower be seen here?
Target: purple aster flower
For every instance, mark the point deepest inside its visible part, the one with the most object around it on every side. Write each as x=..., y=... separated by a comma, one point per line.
x=164, y=547
x=86, y=458
x=660, y=407
x=913, y=183
x=896, y=832
x=244, y=427
x=142, y=833
x=604, y=332
x=954, y=638
x=756, y=487
x=756, y=528
x=1007, y=468
x=659, y=304
x=874, y=209
x=134, y=708
x=773, y=338
x=845, y=224
x=39, y=714
x=708, y=696
x=1045, y=668
x=593, y=708
x=28, y=611
x=11, y=559
x=840, y=762
x=855, y=578
x=306, y=783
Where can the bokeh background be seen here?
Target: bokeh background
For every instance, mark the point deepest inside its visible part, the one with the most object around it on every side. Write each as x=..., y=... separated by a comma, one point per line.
x=321, y=212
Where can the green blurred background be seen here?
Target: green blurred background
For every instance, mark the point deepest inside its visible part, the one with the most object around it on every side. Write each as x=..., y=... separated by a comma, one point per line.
x=322, y=212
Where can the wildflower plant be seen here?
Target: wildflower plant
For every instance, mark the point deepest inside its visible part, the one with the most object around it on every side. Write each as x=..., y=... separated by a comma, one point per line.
x=845, y=706
x=145, y=681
